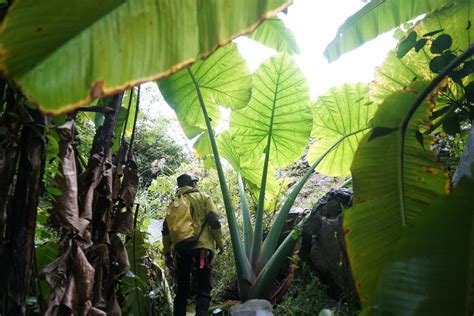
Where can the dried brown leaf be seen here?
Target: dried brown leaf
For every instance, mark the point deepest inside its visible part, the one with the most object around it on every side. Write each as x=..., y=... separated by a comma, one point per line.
x=130, y=182
x=66, y=205
x=119, y=254
x=123, y=223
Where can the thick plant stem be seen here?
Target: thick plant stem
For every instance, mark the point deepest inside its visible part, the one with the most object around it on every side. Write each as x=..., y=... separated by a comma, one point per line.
x=244, y=271
x=263, y=284
x=258, y=230
x=22, y=215
x=9, y=151
x=271, y=241
x=247, y=224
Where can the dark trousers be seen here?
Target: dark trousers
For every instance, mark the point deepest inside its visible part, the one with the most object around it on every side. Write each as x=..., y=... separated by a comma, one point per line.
x=199, y=262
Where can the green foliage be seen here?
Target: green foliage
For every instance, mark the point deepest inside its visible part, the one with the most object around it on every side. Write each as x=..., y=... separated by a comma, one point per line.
x=271, y=131
x=70, y=43
x=398, y=240
x=51, y=164
x=277, y=121
x=388, y=196
x=224, y=274
x=223, y=80
x=144, y=288
x=306, y=295
x=377, y=17
x=157, y=153
x=432, y=283
x=406, y=44
x=250, y=170
x=344, y=111
x=46, y=251
x=274, y=34
x=85, y=129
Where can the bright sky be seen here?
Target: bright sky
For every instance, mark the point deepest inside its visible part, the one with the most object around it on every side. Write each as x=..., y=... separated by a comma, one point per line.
x=314, y=24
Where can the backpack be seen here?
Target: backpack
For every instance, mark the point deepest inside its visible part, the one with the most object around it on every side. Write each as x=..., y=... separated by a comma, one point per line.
x=180, y=224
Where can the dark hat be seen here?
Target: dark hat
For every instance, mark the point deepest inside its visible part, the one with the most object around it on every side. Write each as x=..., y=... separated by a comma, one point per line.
x=186, y=179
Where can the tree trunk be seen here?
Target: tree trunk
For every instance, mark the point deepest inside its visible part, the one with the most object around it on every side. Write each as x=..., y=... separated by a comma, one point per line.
x=467, y=157
x=22, y=215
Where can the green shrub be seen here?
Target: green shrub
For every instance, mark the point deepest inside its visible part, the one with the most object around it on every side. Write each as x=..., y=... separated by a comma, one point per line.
x=306, y=295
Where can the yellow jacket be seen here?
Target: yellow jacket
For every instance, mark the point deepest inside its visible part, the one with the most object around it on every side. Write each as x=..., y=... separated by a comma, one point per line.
x=202, y=208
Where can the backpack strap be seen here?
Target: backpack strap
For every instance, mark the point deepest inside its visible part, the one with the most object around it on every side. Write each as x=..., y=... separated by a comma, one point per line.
x=202, y=228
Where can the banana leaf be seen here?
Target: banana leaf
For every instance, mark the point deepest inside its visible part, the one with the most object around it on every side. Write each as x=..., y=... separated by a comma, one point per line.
x=63, y=55
x=375, y=18
x=395, y=177
x=430, y=271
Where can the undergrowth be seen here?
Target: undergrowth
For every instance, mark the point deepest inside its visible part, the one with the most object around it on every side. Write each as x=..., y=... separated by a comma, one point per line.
x=306, y=295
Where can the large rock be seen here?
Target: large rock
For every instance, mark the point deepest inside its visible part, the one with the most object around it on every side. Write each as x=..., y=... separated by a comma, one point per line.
x=252, y=308
x=324, y=246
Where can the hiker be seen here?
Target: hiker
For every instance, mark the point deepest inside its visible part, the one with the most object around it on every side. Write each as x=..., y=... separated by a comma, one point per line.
x=192, y=227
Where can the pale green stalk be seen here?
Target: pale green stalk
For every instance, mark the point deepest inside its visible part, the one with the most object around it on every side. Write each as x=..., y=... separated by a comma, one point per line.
x=242, y=263
x=263, y=284
x=258, y=230
x=247, y=224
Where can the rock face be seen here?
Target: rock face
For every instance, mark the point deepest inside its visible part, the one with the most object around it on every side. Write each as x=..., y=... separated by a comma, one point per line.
x=324, y=246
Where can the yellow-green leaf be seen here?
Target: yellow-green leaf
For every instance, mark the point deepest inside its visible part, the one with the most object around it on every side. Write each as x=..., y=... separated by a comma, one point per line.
x=63, y=54
x=279, y=109
x=342, y=112
x=394, y=178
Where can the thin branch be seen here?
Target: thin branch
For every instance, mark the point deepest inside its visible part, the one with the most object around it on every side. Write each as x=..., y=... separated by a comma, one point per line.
x=122, y=142
x=132, y=138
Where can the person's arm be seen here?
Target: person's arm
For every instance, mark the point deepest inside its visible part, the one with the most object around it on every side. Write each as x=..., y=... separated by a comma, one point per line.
x=214, y=223
x=166, y=238
x=165, y=233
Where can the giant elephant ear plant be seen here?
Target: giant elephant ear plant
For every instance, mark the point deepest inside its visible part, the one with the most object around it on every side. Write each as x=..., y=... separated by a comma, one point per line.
x=271, y=130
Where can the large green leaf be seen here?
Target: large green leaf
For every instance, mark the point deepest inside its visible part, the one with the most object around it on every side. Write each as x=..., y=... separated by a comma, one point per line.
x=396, y=74
x=395, y=178
x=274, y=34
x=63, y=55
x=461, y=33
x=190, y=131
x=203, y=150
x=279, y=108
x=223, y=79
x=251, y=171
x=377, y=17
x=341, y=111
x=429, y=274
